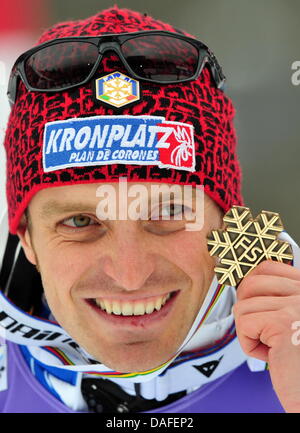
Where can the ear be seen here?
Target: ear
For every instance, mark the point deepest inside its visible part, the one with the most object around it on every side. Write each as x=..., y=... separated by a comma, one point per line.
x=26, y=241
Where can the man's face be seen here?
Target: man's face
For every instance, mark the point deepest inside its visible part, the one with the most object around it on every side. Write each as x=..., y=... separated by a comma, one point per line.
x=127, y=291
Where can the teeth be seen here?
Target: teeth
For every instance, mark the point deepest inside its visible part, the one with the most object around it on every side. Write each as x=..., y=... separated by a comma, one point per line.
x=127, y=309
x=150, y=307
x=132, y=308
x=107, y=306
x=116, y=308
x=139, y=308
x=158, y=304
x=101, y=304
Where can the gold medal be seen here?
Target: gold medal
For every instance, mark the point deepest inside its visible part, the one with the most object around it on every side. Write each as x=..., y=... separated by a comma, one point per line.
x=245, y=242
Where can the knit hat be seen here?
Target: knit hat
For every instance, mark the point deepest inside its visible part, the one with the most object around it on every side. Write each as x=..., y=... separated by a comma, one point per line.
x=196, y=114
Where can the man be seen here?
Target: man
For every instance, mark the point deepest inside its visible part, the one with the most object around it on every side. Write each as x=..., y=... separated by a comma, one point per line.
x=124, y=313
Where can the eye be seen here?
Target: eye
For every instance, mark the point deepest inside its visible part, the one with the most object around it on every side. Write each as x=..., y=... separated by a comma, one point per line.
x=169, y=211
x=172, y=210
x=78, y=221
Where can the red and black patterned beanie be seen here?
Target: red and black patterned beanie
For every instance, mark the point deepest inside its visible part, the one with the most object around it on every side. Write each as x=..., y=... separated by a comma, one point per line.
x=70, y=137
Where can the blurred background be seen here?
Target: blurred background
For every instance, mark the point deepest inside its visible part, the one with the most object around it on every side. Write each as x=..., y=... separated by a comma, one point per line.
x=256, y=43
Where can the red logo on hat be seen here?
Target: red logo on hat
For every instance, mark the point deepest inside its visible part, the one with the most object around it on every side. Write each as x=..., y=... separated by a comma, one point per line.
x=181, y=150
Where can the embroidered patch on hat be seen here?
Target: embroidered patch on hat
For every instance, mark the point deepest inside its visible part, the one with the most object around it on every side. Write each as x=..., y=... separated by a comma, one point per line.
x=102, y=140
x=117, y=89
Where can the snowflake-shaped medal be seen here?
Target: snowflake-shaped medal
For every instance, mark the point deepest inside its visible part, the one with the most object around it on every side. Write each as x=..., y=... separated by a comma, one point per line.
x=246, y=242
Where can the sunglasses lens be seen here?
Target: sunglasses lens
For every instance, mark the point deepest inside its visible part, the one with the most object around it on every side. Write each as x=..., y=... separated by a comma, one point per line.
x=61, y=65
x=163, y=58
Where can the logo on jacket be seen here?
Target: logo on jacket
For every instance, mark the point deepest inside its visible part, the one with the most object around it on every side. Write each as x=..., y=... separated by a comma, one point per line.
x=117, y=89
x=208, y=367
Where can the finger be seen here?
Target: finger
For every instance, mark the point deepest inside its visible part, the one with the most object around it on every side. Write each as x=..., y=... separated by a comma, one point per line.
x=271, y=267
x=267, y=285
x=257, y=332
x=267, y=303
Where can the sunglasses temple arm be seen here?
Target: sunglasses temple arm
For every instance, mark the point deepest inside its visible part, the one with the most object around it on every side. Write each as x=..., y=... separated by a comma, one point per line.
x=217, y=74
x=12, y=88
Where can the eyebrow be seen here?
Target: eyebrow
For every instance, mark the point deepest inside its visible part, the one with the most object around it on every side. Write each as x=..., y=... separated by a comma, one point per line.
x=53, y=207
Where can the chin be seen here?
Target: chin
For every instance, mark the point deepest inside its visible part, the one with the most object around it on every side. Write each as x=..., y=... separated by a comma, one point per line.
x=131, y=364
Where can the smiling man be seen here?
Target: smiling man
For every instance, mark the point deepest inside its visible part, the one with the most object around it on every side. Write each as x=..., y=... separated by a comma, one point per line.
x=130, y=310
x=116, y=308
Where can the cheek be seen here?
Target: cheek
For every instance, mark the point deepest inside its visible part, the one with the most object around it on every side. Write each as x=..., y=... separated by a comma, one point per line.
x=61, y=267
x=190, y=253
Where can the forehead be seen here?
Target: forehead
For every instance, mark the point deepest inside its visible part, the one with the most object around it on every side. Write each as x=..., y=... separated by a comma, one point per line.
x=84, y=192
x=85, y=197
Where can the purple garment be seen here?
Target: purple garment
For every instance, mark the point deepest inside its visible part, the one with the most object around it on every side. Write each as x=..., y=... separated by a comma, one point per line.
x=238, y=391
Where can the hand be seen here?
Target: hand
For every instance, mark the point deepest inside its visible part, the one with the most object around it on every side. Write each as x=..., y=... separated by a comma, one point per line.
x=268, y=303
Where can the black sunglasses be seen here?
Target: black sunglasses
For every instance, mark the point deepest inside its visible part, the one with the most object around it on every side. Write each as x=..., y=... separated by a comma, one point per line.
x=155, y=56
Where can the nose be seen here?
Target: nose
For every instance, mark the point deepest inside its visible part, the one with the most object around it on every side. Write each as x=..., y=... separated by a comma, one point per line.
x=130, y=261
